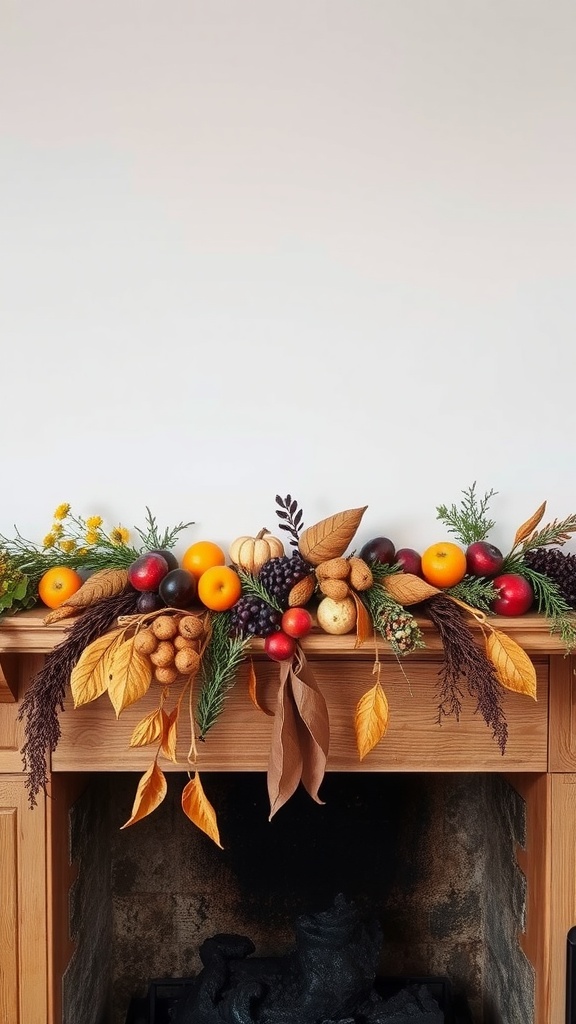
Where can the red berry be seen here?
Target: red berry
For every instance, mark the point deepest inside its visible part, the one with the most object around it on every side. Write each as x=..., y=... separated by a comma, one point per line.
x=279, y=646
x=296, y=622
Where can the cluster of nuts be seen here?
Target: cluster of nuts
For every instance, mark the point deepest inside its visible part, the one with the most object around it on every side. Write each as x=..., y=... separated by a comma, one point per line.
x=338, y=576
x=173, y=643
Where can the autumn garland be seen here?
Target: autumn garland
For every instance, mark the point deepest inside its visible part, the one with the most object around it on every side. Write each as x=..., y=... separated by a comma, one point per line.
x=106, y=652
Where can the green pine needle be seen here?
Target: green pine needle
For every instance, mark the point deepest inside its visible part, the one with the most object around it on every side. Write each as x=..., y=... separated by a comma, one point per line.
x=552, y=605
x=222, y=658
x=476, y=591
x=252, y=586
x=469, y=522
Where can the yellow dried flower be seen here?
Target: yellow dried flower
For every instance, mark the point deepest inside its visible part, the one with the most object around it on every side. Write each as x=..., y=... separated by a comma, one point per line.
x=49, y=541
x=57, y=529
x=119, y=535
x=67, y=546
x=82, y=551
x=94, y=522
x=92, y=537
x=62, y=510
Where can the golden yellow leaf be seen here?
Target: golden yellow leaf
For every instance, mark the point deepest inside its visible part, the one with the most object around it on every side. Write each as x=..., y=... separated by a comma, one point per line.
x=513, y=666
x=524, y=531
x=169, y=734
x=371, y=719
x=151, y=791
x=364, y=627
x=148, y=730
x=330, y=537
x=130, y=676
x=408, y=589
x=198, y=808
x=90, y=676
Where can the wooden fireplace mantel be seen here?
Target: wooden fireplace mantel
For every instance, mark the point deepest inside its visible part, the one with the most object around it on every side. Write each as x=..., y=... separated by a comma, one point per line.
x=540, y=762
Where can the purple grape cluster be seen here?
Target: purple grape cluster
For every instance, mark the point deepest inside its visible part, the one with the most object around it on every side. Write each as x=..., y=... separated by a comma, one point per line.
x=279, y=575
x=252, y=616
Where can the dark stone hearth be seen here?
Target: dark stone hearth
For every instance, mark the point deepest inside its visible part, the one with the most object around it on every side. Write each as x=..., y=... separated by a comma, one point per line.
x=330, y=976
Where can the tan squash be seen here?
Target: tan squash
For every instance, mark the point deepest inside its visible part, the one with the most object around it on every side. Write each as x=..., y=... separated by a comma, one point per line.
x=251, y=553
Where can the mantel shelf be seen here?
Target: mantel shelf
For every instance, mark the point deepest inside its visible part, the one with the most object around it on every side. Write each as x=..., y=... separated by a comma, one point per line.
x=25, y=632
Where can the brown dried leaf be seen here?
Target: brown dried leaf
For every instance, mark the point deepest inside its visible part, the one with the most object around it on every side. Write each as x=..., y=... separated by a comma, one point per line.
x=58, y=614
x=371, y=719
x=285, y=761
x=91, y=674
x=330, y=537
x=302, y=592
x=513, y=667
x=364, y=626
x=148, y=730
x=151, y=791
x=407, y=589
x=198, y=808
x=103, y=583
x=169, y=734
x=253, y=689
x=524, y=531
x=314, y=727
x=130, y=676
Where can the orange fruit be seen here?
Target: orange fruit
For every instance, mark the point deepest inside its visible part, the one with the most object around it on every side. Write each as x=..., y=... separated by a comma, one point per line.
x=219, y=588
x=58, y=584
x=443, y=564
x=202, y=556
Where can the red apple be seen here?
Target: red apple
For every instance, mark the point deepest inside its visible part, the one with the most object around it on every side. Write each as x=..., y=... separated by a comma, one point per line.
x=483, y=559
x=515, y=594
x=279, y=646
x=148, y=571
x=379, y=549
x=409, y=560
x=296, y=622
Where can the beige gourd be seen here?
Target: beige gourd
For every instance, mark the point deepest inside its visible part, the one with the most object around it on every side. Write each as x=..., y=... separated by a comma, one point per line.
x=251, y=553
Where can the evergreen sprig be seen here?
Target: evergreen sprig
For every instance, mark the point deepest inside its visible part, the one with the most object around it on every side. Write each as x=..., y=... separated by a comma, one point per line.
x=152, y=538
x=556, y=532
x=469, y=521
x=552, y=605
x=222, y=658
x=252, y=586
x=477, y=591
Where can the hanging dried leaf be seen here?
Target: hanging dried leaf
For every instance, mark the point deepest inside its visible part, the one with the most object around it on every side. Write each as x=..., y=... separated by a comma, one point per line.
x=130, y=676
x=524, y=531
x=151, y=791
x=91, y=674
x=253, y=689
x=170, y=734
x=330, y=537
x=364, y=627
x=285, y=762
x=371, y=719
x=102, y=584
x=513, y=667
x=198, y=808
x=314, y=731
x=408, y=589
x=149, y=729
x=61, y=613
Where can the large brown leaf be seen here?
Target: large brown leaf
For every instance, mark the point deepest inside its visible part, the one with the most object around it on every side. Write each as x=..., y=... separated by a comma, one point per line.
x=330, y=537
x=130, y=676
x=407, y=589
x=371, y=719
x=513, y=667
x=198, y=808
x=314, y=730
x=101, y=584
x=285, y=760
x=151, y=791
x=90, y=676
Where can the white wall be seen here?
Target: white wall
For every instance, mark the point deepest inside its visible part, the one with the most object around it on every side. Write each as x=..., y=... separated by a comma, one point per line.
x=259, y=246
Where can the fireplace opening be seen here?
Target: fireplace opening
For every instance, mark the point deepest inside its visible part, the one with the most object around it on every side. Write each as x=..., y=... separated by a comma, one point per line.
x=432, y=857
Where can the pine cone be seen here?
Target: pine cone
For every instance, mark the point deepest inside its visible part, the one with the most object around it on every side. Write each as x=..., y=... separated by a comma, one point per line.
x=559, y=567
